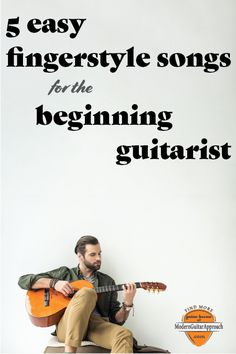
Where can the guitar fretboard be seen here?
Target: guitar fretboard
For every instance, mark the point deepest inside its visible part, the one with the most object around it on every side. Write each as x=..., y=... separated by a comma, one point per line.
x=107, y=288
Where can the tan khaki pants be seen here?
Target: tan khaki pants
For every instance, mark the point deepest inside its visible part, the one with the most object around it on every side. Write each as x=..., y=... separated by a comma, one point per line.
x=78, y=323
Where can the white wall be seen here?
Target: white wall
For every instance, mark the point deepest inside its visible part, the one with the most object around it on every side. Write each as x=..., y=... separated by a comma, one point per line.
x=169, y=221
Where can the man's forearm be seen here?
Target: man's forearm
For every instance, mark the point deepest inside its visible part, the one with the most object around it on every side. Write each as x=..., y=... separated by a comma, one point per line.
x=122, y=315
x=41, y=283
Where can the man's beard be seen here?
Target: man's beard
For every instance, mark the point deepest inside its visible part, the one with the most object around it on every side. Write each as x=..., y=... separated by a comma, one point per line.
x=92, y=266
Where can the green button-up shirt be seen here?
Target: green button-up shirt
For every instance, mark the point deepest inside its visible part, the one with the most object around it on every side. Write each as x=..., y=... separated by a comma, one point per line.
x=107, y=303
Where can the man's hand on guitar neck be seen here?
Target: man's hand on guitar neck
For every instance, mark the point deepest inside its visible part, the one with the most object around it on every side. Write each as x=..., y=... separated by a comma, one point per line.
x=128, y=297
x=129, y=293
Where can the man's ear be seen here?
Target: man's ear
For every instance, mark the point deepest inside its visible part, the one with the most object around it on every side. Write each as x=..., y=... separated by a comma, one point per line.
x=79, y=255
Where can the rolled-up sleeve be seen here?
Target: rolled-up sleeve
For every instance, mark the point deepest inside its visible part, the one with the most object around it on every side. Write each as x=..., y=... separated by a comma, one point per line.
x=26, y=281
x=114, y=307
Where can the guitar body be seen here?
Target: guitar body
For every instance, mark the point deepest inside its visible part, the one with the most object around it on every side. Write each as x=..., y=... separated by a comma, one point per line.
x=45, y=316
x=46, y=306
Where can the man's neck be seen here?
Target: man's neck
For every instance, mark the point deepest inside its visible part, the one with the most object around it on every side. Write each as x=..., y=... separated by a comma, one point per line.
x=86, y=272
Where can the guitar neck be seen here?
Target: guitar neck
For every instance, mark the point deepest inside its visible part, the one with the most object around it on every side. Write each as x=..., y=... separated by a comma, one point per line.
x=107, y=288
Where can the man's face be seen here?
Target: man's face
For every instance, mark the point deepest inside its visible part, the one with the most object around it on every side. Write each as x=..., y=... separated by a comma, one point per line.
x=92, y=257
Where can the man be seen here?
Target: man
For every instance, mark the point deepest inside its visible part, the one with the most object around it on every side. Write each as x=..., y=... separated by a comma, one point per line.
x=99, y=319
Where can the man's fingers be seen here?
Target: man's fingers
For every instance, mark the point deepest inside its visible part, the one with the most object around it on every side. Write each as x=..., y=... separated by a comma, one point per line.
x=68, y=289
x=130, y=286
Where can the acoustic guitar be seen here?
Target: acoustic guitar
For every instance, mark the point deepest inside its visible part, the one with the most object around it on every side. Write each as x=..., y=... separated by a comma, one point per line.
x=45, y=307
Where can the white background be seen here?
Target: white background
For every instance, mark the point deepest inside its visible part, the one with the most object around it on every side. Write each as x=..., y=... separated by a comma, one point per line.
x=168, y=221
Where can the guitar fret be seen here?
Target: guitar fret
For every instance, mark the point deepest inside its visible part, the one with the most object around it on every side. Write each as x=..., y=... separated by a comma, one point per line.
x=107, y=288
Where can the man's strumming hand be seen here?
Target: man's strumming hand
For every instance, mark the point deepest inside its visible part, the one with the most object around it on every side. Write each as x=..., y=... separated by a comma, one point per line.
x=64, y=287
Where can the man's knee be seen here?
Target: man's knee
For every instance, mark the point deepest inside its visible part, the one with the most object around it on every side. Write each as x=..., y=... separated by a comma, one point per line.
x=125, y=333
x=88, y=293
x=123, y=341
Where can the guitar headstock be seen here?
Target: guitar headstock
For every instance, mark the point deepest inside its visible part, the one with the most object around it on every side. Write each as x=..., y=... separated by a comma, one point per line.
x=153, y=286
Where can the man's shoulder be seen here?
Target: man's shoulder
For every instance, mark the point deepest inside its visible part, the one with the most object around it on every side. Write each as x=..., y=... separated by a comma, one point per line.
x=64, y=270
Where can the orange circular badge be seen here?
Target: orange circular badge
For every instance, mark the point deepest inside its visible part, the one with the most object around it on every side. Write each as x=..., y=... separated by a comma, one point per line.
x=198, y=323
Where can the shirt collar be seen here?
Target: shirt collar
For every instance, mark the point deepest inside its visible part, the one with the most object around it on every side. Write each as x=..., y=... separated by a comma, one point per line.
x=80, y=275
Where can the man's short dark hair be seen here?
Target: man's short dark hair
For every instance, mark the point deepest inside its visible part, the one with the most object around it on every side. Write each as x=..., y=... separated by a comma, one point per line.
x=83, y=241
